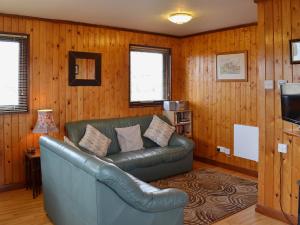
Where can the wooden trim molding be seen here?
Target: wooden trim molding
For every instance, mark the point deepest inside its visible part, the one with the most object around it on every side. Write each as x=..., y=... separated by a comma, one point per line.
x=220, y=30
x=227, y=166
x=274, y=214
x=10, y=187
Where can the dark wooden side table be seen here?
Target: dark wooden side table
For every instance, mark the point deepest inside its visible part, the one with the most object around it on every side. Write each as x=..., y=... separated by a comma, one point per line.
x=33, y=172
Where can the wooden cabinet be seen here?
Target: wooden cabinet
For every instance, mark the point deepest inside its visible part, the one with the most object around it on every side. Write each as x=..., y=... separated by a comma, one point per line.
x=182, y=120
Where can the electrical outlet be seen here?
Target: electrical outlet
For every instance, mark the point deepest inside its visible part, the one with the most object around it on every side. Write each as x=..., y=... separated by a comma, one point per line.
x=223, y=150
x=282, y=148
x=226, y=151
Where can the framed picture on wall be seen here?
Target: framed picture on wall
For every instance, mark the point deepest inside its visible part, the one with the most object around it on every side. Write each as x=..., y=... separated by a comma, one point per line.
x=295, y=51
x=232, y=66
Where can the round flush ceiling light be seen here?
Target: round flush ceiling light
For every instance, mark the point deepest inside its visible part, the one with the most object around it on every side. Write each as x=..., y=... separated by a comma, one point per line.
x=180, y=18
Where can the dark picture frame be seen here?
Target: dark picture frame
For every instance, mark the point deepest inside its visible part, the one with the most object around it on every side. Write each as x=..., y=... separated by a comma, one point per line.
x=73, y=55
x=293, y=43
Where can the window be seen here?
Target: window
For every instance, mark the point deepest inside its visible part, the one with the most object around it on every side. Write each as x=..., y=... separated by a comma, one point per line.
x=150, y=75
x=13, y=73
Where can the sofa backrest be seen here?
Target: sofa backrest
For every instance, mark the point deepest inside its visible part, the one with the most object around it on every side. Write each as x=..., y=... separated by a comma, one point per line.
x=75, y=130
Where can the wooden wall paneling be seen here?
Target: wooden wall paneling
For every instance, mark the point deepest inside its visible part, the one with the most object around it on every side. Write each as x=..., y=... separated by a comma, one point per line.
x=199, y=85
x=210, y=94
x=55, y=76
x=7, y=126
x=15, y=124
x=287, y=163
x=28, y=118
x=69, y=104
x=62, y=77
x=292, y=164
x=277, y=108
x=261, y=102
x=253, y=83
x=279, y=21
x=291, y=21
x=232, y=99
x=80, y=96
x=74, y=89
x=269, y=190
x=219, y=102
x=212, y=100
x=222, y=99
x=35, y=81
x=217, y=106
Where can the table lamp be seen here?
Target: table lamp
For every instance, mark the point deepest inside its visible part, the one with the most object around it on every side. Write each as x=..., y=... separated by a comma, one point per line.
x=45, y=122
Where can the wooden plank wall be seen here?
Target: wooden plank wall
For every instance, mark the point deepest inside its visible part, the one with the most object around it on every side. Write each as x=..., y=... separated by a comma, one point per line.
x=49, y=46
x=278, y=22
x=217, y=106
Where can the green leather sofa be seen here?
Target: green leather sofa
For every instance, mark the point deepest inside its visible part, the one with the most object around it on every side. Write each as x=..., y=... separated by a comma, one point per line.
x=149, y=164
x=81, y=189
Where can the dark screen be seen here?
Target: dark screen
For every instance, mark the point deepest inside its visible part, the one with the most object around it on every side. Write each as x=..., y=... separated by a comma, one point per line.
x=290, y=105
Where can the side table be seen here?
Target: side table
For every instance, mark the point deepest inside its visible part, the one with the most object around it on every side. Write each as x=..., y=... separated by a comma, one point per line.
x=33, y=172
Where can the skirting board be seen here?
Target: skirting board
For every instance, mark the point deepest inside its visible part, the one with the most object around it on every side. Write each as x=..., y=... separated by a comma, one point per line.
x=227, y=166
x=274, y=214
x=10, y=187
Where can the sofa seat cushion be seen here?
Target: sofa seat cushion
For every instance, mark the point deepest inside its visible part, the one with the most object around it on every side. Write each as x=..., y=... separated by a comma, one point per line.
x=147, y=157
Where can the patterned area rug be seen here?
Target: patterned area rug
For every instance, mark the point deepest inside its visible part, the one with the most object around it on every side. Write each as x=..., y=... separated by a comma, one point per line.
x=212, y=195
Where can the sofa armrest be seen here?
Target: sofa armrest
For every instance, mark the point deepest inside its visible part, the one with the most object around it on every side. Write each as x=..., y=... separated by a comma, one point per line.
x=179, y=140
x=139, y=194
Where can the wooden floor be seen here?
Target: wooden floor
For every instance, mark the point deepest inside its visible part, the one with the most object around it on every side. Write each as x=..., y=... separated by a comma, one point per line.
x=18, y=207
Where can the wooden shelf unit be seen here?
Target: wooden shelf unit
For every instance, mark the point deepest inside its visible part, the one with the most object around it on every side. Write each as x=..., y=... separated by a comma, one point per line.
x=181, y=120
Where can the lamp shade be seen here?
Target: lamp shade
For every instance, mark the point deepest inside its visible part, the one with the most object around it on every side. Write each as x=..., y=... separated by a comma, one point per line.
x=45, y=122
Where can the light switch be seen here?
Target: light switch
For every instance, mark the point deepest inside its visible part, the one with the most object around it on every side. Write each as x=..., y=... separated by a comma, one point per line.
x=269, y=84
x=282, y=148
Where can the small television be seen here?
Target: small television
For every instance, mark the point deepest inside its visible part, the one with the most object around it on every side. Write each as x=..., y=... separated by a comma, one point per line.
x=290, y=102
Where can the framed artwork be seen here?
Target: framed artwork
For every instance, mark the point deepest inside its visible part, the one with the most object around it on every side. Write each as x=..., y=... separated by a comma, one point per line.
x=295, y=51
x=232, y=66
x=84, y=69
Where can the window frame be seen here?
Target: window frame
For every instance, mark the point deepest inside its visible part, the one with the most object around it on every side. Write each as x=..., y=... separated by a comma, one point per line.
x=167, y=65
x=24, y=40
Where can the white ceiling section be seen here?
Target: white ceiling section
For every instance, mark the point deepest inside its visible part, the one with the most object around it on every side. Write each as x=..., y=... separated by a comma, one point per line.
x=145, y=15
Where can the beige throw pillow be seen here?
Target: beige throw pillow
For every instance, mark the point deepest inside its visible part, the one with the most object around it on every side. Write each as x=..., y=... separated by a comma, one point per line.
x=69, y=142
x=159, y=131
x=130, y=138
x=94, y=141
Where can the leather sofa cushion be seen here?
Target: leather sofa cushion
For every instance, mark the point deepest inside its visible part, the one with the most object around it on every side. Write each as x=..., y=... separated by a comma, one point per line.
x=147, y=157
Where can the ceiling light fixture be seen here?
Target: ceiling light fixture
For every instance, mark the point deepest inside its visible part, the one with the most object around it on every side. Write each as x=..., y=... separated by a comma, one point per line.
x=180, y=18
